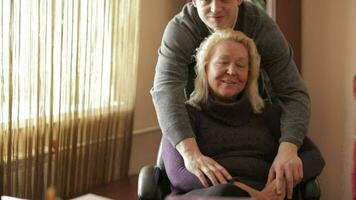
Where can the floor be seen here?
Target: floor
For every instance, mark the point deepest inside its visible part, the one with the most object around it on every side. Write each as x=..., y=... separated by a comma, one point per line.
x=120, y=190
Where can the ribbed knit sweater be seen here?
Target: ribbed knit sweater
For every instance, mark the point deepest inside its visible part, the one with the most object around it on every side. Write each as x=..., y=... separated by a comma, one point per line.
x=243, y=142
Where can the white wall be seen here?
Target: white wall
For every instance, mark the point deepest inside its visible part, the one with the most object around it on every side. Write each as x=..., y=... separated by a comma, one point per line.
x=329, y=64
x=154, y=18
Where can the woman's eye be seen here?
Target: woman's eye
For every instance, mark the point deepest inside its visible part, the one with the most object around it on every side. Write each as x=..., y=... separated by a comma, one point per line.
x=240, y=65
x=222, y=62
x=226, y=1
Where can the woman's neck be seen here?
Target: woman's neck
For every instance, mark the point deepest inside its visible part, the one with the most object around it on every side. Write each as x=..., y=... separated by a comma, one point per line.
x=226, y=100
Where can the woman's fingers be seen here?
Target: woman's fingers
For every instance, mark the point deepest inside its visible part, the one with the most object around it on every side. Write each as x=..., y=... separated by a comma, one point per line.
x=269, y=192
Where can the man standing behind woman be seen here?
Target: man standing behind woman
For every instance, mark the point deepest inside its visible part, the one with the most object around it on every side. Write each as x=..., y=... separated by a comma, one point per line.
x=184, y=33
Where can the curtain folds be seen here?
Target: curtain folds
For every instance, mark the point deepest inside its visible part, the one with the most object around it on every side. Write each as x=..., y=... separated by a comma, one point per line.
x=67, y=90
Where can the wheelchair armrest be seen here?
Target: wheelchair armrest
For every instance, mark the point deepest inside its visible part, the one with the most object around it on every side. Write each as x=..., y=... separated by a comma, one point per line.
x=153, y=183
x=147, y=186
x=311, y=190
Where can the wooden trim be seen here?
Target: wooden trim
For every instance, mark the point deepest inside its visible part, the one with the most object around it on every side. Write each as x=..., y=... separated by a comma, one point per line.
x=288, y=17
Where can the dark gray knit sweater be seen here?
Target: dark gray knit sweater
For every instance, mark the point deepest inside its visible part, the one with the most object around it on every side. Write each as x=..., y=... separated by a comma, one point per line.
x=236, y=137
x=241, y=141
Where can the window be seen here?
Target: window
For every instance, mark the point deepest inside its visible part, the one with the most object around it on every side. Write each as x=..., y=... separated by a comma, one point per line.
x=57, y=58
x=67, y=88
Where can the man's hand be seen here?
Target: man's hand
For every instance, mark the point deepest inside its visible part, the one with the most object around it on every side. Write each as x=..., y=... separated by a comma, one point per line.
x=288, y=167
x=200, y=165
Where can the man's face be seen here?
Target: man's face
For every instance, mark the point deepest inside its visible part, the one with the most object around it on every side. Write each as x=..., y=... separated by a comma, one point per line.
x=217, y=14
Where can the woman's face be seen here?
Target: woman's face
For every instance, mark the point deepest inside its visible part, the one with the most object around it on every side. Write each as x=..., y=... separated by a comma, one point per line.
x=227, y=70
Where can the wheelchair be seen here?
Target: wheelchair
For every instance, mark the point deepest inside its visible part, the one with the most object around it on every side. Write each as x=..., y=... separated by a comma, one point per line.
x=153, y=182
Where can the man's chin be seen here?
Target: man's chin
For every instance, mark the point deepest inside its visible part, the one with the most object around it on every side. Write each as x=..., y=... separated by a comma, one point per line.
x=220, y=28
x=217, y=27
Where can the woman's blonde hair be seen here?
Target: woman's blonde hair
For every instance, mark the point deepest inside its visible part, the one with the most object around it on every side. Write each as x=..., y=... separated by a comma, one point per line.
x=201, y=91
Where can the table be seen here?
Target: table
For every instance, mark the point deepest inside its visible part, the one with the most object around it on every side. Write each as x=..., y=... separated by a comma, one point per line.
x=206, y=198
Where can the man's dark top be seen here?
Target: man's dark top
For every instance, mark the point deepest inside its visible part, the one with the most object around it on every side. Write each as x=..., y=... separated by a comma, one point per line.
x=183, y=35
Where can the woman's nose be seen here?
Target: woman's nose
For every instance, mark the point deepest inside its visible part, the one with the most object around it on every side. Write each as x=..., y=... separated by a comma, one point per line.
x=231, y=70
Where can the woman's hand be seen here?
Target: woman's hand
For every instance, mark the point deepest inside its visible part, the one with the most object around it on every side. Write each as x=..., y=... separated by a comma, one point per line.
x=288, y=167
x=200, y=165
x=268, y=193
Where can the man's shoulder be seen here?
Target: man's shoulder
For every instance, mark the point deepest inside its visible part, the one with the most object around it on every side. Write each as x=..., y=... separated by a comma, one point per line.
x=252, y=19
x=188, y=13
x=252, y=12
x=269, y=40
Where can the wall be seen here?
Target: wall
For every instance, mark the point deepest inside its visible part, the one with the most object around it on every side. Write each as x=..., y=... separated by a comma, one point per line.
x=154, y=18
x=328, y=60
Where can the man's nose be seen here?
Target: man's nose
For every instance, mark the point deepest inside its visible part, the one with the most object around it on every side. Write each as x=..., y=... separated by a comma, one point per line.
x=215, y=6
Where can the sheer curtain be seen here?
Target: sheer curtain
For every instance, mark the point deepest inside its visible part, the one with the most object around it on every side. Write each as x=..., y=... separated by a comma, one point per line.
x=67, y=89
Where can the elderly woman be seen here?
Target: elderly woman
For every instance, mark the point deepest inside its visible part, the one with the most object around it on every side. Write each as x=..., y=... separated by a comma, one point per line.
x=233, y=126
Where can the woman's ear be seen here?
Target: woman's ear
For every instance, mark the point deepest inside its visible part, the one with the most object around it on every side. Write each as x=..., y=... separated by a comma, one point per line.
x=205, y=67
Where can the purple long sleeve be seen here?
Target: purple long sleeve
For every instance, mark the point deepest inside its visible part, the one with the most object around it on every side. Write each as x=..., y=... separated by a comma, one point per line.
x=181, y=179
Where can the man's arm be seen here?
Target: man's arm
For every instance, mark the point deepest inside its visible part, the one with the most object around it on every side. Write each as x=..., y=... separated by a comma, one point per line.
x=277, y=60
x=175, y=53
x=295, y=104
x=293, y=98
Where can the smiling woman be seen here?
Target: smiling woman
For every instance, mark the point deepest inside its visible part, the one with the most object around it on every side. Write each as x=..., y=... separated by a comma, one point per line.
x=68, y=75
x=227, y=70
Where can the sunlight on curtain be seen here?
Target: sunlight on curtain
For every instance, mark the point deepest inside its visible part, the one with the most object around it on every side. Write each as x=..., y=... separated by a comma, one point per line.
x=67, y=89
